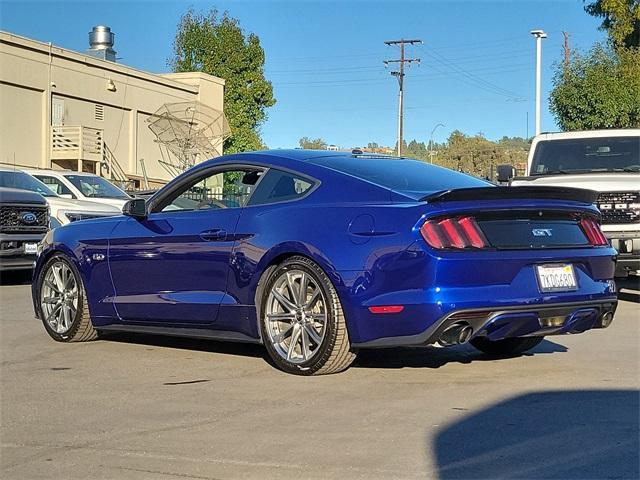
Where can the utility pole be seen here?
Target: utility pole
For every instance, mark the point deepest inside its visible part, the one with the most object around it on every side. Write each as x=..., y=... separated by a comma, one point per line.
x=399, y=74
x=539, y=35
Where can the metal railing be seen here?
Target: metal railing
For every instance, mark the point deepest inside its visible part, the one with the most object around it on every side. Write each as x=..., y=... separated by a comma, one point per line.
x=111, y=168
x=76, y=142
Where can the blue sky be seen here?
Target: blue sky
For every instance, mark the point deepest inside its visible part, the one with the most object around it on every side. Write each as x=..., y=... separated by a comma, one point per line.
x=325, y=59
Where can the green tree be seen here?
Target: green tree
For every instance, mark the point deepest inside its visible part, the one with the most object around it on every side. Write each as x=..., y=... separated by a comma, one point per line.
x=217, y=45
x=598, y=90
x=621, y=20
x=415, y=150
x=309, y=144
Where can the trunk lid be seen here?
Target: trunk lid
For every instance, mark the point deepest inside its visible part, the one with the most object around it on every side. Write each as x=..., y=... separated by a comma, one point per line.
x=514, y=218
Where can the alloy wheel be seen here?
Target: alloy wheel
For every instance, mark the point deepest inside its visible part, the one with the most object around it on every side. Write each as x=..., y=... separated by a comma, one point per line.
x=59, y=297
x=296, y=316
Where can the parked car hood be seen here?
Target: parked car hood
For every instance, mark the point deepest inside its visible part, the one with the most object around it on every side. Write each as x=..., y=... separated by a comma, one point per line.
x=114, y=202
x=600, y=182
x=81, y=205
x=13, y=195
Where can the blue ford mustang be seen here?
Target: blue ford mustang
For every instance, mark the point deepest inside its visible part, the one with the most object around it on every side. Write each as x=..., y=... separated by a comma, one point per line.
x=319, y=254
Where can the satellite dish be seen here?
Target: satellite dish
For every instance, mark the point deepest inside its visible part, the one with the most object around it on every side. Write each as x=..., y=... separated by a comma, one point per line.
x=188, y=133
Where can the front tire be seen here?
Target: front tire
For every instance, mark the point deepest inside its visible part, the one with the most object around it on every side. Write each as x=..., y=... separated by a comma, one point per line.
x=62, y=303
x=506, y=347
x=302, y=322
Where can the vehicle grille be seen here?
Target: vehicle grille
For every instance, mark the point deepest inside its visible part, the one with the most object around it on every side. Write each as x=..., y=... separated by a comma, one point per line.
x=11, y=219
x=614, y=207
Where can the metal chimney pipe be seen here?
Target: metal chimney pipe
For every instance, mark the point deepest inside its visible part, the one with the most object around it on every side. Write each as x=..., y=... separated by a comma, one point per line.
x=101, y=37
x=101, y=40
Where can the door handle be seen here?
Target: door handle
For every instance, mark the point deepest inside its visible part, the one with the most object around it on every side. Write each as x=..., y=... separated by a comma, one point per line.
x=214, y=235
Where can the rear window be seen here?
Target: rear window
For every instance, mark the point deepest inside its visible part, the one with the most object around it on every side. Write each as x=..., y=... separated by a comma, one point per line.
x=410, y=177
x=279, y=186
x=584, y=155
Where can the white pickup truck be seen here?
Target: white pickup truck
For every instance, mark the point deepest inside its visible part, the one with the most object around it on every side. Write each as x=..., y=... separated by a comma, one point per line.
x=607, y=161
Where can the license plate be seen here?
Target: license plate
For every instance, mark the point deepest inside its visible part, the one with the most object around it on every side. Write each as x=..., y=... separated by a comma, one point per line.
x=31, y=248
x=556, y=278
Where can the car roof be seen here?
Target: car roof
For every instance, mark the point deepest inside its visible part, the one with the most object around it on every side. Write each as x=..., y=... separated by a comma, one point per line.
x=617, y=132
x=285, y=157
x=302, y=154
x=11, y=169
x=57, y=172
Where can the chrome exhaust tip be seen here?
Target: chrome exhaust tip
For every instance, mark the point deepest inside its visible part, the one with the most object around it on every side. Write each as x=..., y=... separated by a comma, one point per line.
x=606, y=318
x=465, y=334
x=456, y=334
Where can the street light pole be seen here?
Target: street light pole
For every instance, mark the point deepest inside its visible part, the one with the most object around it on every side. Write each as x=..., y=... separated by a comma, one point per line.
x=539, y=35
x=431, y=142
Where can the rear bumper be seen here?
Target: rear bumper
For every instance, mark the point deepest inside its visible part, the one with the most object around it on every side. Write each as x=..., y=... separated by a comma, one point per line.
x=510, y=322
x=431, y=290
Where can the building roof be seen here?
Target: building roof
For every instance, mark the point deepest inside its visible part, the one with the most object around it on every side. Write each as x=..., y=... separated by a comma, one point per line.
x=168, y=79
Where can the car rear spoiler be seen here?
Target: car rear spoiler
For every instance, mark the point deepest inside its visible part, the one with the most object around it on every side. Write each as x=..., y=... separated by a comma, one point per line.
x=505, y=193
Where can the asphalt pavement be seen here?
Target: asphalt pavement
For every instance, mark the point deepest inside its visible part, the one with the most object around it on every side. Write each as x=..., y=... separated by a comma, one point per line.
x=148, y=407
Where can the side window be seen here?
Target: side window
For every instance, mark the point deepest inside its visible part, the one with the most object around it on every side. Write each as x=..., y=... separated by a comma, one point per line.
x=279, y=186
x=228, y=189
x=56, y=185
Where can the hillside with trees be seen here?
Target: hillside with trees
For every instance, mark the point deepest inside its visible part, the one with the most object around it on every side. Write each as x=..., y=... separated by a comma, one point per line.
x=473, y=154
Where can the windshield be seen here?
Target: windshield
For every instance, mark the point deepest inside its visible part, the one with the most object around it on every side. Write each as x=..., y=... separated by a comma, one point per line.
x=24, y=181
x=586, y=155
x=410, y=177
x=96, y=187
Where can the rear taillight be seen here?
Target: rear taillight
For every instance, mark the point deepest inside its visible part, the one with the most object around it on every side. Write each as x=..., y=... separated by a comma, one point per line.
x=462, y=232
x=592, y=230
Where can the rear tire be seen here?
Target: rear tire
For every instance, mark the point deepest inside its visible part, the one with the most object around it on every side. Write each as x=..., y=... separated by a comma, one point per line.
x=62, y=303
x=302, y=322
x=506, y=347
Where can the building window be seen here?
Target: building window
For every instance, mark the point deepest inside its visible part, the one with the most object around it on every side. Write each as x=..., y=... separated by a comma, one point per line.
x=98, y=112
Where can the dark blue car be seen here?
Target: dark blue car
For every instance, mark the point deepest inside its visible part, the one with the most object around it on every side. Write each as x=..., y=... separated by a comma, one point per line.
x=319, y=254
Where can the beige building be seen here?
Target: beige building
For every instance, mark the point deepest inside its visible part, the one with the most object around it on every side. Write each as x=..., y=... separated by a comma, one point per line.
x=62, y=109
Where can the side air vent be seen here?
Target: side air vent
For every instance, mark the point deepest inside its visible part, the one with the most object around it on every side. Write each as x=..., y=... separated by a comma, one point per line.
x=98, y=112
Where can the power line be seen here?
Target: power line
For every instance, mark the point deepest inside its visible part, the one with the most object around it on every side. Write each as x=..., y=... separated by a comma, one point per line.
x=399, y=74
x=440, y=74
x=464, y=46
x=510, y=55
x=478, y=81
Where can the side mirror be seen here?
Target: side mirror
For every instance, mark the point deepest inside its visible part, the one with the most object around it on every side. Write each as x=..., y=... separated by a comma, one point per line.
x=136, y=208
x=66, y=195
x=505, y=173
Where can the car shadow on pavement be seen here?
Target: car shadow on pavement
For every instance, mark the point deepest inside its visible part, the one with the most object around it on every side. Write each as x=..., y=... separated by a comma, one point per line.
x=185, y=343
x=580, y=434
x=434, y=357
